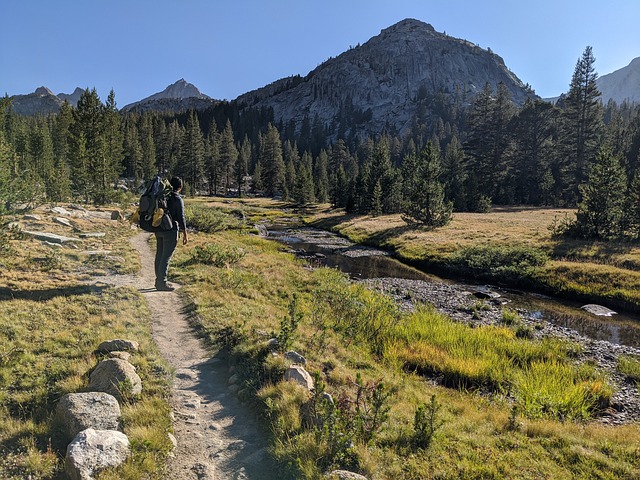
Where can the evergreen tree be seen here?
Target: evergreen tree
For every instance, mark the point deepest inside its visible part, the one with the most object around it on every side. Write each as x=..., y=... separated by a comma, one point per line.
x=228, y=154
x=321, y=177
x=60, y=137
x=271, y=160
x=582, y=124
x=213, y=163
x=304, y=188
x=111, y=164
x=426, y=204
x=192, y=162
x=453, y=174
x=601, y=212
x=241, y=168
x=149, y=166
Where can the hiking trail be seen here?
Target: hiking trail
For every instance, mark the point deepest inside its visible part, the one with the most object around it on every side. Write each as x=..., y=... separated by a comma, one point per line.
x=217, y=436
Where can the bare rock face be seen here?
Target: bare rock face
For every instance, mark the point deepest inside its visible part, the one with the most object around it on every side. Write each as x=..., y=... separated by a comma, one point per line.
x=94, y=450
x=383, y=79
x=116, y=377
x=76, y=412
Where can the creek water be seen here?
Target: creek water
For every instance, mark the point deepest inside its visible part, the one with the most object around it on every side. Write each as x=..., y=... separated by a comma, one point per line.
x=328, y=249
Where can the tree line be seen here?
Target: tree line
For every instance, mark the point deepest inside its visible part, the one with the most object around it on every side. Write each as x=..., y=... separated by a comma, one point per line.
x=458, y=155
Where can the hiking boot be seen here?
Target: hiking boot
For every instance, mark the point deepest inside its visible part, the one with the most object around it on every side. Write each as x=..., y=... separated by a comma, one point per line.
x=165, y=288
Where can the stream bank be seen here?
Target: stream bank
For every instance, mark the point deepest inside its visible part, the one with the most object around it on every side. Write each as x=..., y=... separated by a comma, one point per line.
x=603, y=340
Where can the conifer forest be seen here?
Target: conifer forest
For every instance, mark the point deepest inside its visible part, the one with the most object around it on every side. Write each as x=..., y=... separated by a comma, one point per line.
x=458, y=156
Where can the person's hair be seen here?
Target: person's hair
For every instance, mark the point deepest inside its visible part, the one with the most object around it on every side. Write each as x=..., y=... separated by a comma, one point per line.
x=176, y=183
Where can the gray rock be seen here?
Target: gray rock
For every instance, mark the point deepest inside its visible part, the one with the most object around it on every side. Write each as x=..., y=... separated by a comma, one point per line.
x=121, y=355
x=262, y=230
x=78, y=411
x=116, y=215
x=295, y=357
x=61, y=211
x=33, y=217
x=92, y=235
x=94, y=450
x=299, y=375
x=598, y=310
x=116, y=377
x=344, y=475
x=118, y=344
x=52, y=237
x=62, y=221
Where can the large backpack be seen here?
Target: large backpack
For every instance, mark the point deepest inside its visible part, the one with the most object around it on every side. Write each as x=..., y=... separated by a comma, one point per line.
x=153, y=213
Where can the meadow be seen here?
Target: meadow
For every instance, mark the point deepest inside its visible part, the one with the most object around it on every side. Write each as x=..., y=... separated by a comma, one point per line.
x=398, y=395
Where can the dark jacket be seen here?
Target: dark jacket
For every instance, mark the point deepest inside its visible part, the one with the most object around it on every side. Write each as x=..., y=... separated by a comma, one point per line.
x=175, y=204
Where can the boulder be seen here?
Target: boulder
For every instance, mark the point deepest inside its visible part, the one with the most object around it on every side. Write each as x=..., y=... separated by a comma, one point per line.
x=94, y=450
x=61, y=211
x=116, y=377
x=92, y=235
x=344, y=475
x=52, y=237
x=126, y=356
x=34, y=217
x=295, y=357
x=598, y=310
x=62, y=221
x=118, y=345
x=116, y=215
x=299, y=375
x=76, y=412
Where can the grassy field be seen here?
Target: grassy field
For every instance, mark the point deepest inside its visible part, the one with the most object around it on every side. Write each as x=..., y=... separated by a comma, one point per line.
x=516, y=246
x=53, y=317
x=388, y=418
x=414, y=396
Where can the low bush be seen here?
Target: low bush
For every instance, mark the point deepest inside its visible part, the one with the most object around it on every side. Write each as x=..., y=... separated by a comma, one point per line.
x=209, y=219
x=500, y=261
x=216, y=255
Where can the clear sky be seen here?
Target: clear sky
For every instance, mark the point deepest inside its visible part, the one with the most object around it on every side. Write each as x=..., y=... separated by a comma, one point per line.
x=229, y=47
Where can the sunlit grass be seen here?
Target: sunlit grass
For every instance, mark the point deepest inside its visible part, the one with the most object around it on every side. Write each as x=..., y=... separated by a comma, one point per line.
x=348, y=330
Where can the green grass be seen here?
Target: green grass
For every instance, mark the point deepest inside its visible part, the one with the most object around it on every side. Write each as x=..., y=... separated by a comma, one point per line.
x=347, y=332
x=50, y=325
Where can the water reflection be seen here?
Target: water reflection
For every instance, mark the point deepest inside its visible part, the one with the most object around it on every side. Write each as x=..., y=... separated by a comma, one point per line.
x=340, y=253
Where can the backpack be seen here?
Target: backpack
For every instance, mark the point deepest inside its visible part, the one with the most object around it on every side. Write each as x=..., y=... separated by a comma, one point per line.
x=153, y=214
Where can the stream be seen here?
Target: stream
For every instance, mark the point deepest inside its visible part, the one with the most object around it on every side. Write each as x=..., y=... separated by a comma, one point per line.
x=369, y=264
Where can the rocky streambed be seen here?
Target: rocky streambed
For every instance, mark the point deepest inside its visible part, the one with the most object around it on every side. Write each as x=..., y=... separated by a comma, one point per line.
x=474, y=305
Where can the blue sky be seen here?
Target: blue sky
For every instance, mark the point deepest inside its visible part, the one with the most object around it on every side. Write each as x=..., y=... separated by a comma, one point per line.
x=229, y=47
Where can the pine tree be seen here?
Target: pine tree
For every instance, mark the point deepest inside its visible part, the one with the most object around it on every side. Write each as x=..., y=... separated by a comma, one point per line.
x=321, y=177
x=304, y=188
x=213, y=163
x=453, y=174
x=228, y=155
x=271, y=160
x=601, y=212
x=426, y=204
x=192, y=161
x=111, y=164
x=241, y=168
x=582, y=124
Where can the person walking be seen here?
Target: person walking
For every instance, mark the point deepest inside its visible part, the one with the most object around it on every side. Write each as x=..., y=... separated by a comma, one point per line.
x=167, y=241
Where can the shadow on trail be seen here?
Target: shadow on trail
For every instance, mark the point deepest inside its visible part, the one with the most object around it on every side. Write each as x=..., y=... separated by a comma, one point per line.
x=45, y=294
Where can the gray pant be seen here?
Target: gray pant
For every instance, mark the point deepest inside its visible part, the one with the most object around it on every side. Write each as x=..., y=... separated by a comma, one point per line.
x=166, y=243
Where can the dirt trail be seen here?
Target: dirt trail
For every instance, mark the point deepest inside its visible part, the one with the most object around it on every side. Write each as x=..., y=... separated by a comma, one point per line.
x=218, y=437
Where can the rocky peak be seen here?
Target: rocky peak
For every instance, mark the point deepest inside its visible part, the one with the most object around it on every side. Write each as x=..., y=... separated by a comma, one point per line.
x=384, y=77
x=177, y=96
x=621, y=85
x=41, y=91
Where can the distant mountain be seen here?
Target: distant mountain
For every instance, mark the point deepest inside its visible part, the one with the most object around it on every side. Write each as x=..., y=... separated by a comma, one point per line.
x=621, y=85
x=383, y=79
x=73, y=98
x=181, y=95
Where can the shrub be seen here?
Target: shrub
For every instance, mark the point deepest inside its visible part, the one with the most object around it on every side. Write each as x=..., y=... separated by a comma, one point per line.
x=426, y=423
x=216, y=255
x=629, y=365
x=505, y=261
x=209, y=220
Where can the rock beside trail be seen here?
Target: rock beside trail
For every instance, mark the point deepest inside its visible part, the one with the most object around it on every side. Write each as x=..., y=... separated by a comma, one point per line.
x=62, y=221
x=299, y=375
x=94, y=450
x=76, y=412
x=118, y=344
x=116, y=377
x=61, y=211
x=295, y=357
x=52, y=237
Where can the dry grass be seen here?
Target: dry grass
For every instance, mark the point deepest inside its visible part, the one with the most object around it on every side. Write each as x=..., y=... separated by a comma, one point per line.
x=52, y=319
x=606, y=272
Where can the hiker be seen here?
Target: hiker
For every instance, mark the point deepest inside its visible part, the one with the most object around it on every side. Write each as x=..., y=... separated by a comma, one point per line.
x=166, y=241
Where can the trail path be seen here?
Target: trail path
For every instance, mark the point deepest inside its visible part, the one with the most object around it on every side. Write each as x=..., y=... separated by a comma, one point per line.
x=218, y=437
